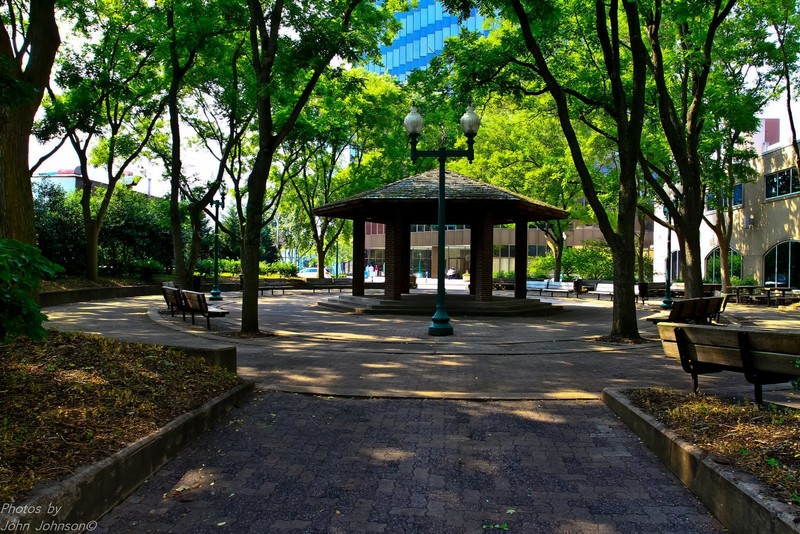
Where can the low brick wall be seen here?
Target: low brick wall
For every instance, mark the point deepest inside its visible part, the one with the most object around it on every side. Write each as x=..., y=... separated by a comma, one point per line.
x=74, y=504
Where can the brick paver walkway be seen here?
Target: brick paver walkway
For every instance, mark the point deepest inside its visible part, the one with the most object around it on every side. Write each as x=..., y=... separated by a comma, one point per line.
x=299, y=463
x=499, y=425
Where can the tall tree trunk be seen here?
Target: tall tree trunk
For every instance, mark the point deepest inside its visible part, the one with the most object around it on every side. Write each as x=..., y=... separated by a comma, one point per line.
x=16, y=197
x=17, y=111
x=641, y=219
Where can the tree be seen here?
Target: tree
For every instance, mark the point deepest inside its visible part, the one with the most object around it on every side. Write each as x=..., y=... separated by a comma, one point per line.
x=292, y=45
x=112, y=102
x=343, y=150
x=522, y=151
x=211, y=32
x=29, y=40
x=784, y=19
x=59, y=227
x=590, y=57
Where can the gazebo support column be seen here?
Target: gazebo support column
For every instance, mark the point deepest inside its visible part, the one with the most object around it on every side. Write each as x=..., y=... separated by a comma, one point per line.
x=405, y=262
x=520, y=258
x=474, y=246
x=393, y=286
x=482, y=257
x=359, y=244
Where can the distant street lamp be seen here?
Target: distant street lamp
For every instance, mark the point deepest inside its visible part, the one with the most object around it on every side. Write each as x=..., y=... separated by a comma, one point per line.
x=666, y=304
x=470, y=122
x=216, y=294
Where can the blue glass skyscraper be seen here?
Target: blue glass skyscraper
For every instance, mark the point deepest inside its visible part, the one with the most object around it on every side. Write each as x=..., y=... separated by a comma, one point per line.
x=421, y=38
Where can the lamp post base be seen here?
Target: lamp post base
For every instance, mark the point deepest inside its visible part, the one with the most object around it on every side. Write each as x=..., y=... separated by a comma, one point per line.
x=440, y=324
x=216, y=294
x=666, y=304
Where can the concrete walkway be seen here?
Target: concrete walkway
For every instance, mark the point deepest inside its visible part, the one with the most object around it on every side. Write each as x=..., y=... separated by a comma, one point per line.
x=393, y=439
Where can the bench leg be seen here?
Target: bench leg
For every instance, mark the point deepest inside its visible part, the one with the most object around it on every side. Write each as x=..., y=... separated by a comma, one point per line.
x=208, y=323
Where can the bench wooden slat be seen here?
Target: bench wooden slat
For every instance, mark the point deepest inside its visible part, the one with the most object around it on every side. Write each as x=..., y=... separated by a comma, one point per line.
x=772, y=362
x=765, y=357
x=760, y=340
x=196, y=303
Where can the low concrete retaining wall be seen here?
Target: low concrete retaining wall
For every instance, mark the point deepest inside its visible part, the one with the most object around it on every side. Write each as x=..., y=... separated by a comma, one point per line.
x=736, y=499
x=76, y=503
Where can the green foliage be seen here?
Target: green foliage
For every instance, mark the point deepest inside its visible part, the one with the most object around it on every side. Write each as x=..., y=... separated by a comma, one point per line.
x=284, y=269
x=136, y=230
x=503, y=275
x=541, y=267
x=230, y=266
x=59, y=226
x=747, y=281
x=204, y=267
x=592, y=261
x=146, y=268
x=22, y=267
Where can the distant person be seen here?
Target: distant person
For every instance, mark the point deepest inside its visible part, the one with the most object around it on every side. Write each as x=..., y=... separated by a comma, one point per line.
x=451, y=273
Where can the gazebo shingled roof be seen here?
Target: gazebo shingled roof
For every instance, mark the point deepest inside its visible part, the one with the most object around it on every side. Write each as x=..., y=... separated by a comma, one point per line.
x=420, y=195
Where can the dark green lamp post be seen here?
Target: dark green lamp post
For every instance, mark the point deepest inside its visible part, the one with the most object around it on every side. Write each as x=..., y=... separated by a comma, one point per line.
x=216, y=294
x=470, y=122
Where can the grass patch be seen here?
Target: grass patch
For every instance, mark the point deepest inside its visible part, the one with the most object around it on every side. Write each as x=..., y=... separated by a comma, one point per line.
x=763, y=442
x=75, y=398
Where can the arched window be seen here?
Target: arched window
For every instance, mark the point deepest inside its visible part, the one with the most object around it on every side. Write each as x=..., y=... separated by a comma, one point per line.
x=782, y=265
x=714, y=269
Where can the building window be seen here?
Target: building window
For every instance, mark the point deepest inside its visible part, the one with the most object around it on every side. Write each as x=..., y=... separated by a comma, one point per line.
x=782, y=265
x=782, y=183
x=538, y=250
x=737, y=198
x=714, y=269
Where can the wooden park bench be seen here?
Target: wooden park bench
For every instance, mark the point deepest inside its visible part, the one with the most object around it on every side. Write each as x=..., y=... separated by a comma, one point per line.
x=329, y=284
x=536, y=285
x=274, y=284
x=764, y=357
x=602, y=289
x=559, y=287
x=174, y=300
x=702, y=310
x=196, y=303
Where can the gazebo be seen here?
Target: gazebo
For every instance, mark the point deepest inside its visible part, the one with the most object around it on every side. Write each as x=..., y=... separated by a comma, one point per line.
x=414, y=200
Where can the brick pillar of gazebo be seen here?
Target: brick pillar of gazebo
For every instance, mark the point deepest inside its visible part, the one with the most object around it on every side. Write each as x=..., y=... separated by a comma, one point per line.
x=405, y=250
x=482, y=258
x=474, y=247
x=520, y=258
x=393, y=285
x=359, y=245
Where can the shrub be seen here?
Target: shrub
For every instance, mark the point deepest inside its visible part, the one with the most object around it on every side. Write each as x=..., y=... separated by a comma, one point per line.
x=204, y=267
x=147, y=268
x=592, y=261
x=540, y=267
x=285, y=269
x=230, y=266
x=503, y=274
x=748, y=281
x=22, y=267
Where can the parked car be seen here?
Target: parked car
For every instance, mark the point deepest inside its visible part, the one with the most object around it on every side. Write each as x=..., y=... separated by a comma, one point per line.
x=312, y=272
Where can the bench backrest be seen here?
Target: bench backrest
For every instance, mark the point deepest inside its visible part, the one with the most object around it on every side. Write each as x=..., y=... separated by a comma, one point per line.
x=772, y=351
x=560, y=285
x=604, y=287
x=196, y=301
x=536, y=284
x=173, y=296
